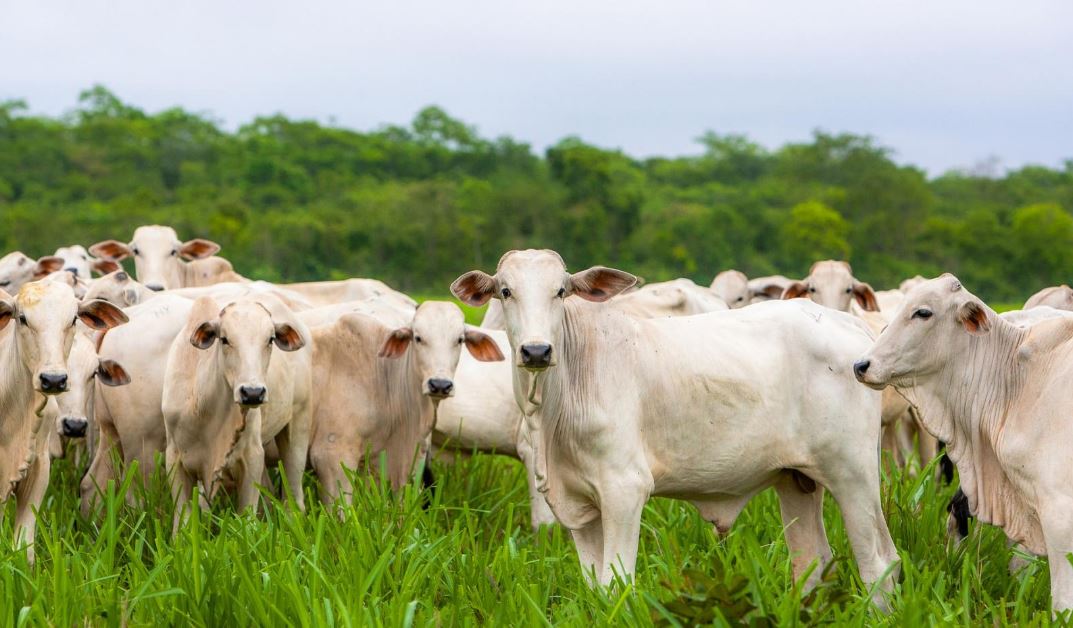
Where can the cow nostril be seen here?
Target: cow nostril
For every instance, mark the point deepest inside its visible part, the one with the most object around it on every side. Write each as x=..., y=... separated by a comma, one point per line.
x=74, y=428
x=252, y=395
x=861, y=367
x=437, y=386
x=536, y=354
x=53, y=382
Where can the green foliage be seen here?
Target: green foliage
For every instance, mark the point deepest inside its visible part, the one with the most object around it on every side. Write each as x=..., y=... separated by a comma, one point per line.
x=417, y=205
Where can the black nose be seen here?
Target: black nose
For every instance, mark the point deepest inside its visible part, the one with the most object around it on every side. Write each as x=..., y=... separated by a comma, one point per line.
x=53, y=382
x=536, y=355
x=861, y=367
x=74, y=427
x=440, y=387
x=155, y=287
x=251, y=395
x=73, y=271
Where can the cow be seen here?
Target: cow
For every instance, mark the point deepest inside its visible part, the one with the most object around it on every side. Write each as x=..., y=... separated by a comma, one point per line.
x=159, y=259
x=37, y=330
x=998, y=395
x=1058, y=297
x=78, y=261
x=710, y=408
x=381, y=383
x=237, y=378
x=17, y=269
x=320, y=293
x=738, y=291
x=832, y=284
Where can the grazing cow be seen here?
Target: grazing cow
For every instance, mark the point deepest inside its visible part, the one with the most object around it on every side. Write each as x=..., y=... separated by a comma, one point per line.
x=380, y=385
x=237, y=378
x=37, y=330
x=78, y=261
x=16, y=269
x=158, y=259
x=832, y=284
x=1058, y=297
x=710, y=408
x=998, y=395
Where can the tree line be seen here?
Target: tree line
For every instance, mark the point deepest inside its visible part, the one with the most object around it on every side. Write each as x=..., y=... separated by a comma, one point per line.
x=417, y=205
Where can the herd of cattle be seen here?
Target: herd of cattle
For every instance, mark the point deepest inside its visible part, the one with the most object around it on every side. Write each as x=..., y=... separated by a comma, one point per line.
x=609, y=392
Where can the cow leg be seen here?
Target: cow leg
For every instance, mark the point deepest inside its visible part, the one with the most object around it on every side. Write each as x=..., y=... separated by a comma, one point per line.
x=620, y=510
x=29, y=495
x=539, y=511
x=589, y=543
x=102, y=469
x=253, y=467
x=182, y=486
x=1055, y=519
x=293, y=446
x=802, y=520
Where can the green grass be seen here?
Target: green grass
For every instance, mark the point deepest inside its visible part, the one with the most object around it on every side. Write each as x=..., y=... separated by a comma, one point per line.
x=470, y=558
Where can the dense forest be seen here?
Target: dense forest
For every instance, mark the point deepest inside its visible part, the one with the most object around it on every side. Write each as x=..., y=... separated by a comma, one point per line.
x=417, y=205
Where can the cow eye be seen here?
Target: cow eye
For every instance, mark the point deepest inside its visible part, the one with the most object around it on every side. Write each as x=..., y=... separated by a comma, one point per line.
x=922, y=314
x=561, y=293
x=741, y=298
x=461, y=340
x=417, y=339
x=136, y=251
x=849, y=290
x=174, y=252
x=75, y=319
x=812, y=290
x=225, y=341
x=3, y=284
x=505, y=292
x=22, y=319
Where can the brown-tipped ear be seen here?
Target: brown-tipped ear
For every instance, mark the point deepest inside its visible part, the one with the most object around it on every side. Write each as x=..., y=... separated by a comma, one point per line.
x=198, y=249
x=974, y=318
x=97, y=314
x=482, y=347
x=205, y=334
x=112, y=373
x=795, y=290
x=396, y=343
x=7, y=311
x=474, y=288
x=769, y=291
x=104, y=266
x=110, y=249
x=47, y=265
x=600, y=283
x=866, y=297
x=287, y=338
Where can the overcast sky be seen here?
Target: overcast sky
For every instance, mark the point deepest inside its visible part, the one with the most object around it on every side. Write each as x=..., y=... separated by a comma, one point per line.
x=946, y=84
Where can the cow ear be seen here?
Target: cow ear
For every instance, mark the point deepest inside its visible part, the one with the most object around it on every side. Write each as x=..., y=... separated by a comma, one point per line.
x=110, y=249
x=482, y=347
x=474, y=288
x=769, y=291
x=974, y=318
x=105, y=266
x=599, y=283
x=47, y=265
x=287, y=338
x=205, y=334
x=97, y=314
x=112, y=373
x=866, y=297
x=396, y=343
x=7, y=311
x=198, y=249
x=795, y=290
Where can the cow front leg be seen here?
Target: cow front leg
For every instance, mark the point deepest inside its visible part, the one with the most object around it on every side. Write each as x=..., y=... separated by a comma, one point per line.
x=29, y=495
x=1055, y=519
x=101, y=469
x=589, y=543
x=253, y=468
x=293, y=446
x=620, y=511
x=540, y=513
x=182, y=486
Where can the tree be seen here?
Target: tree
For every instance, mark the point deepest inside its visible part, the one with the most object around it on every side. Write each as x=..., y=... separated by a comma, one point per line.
x=814, y=232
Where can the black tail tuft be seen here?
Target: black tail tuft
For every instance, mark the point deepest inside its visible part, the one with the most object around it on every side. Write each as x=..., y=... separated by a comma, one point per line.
x=959, y=511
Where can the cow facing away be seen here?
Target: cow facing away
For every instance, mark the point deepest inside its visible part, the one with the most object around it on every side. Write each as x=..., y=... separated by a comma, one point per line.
x=620, y=409
x=1058, y=297
x=37, y=331
x=380, y=386
x=237, y=378
x=998, y=395
x=159, y=259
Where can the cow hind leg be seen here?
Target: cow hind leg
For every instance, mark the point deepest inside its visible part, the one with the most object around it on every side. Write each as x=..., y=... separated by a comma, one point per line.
x=801, y=504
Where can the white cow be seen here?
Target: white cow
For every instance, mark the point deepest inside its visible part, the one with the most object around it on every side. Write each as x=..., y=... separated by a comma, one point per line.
x=998, y=395
x=78, y=261
x=1058, y=297
x=158, y=259
x=738, y=291
x=320, y=293
x=711, y=409
x=37, y=330
x=16, y=269
x=237, y=379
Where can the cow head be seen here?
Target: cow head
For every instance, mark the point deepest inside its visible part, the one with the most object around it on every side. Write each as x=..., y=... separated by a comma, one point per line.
x=157, y=254
x=16, y=270
x=44, y=314
x=936, y=325
x=832, y=284
x=732, y=286
x=117, y=288
x=435, y=336
x=244, y=335
x=78, y=261
x=83, y=368
x=532, y=286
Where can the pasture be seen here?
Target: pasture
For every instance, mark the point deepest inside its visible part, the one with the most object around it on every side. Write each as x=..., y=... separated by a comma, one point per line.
x=463, y=554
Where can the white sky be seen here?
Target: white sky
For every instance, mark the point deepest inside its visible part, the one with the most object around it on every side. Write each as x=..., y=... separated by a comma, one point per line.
x=946, y=83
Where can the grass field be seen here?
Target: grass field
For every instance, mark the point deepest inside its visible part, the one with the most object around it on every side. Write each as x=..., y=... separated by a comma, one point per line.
x=469, y=558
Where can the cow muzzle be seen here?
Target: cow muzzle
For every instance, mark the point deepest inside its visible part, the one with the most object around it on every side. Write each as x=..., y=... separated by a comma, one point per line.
x=52, y=383
x=861, y=370
x=535, y=356
x=74, y=427
x=251, y=396
x=439, y=388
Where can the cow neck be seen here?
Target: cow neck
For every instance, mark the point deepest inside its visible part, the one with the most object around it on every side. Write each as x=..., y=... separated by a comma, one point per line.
x=18, y=428
x=574, y=377
x=412, y=414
